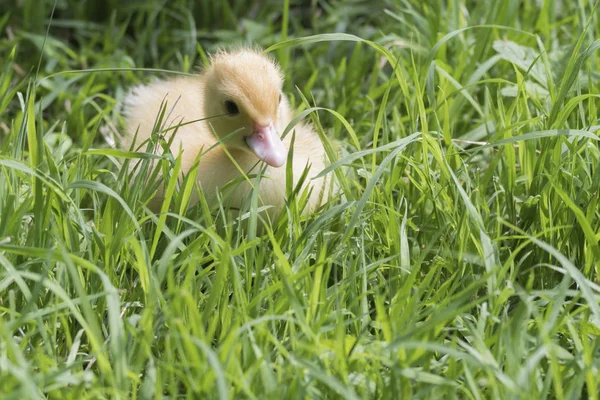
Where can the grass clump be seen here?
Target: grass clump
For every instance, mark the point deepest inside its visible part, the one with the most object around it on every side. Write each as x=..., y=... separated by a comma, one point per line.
x=459, y=260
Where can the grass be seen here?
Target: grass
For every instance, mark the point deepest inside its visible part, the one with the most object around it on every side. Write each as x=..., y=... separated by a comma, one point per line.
x=461, y=258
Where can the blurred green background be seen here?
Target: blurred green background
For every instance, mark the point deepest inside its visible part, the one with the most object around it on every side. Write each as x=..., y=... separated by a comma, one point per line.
x=176, y=35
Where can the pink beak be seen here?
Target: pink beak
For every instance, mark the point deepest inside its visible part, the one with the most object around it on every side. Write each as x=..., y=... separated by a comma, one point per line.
x=267, y=145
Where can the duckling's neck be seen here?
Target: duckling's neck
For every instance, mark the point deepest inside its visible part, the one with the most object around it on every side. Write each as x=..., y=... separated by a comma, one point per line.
x=246, y=161
x=223, y=166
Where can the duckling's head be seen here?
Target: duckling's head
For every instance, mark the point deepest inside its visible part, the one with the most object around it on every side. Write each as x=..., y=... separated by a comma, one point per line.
x=244, y=88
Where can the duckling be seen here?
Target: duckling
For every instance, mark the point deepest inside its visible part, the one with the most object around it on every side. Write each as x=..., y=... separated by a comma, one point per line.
x=233, y=112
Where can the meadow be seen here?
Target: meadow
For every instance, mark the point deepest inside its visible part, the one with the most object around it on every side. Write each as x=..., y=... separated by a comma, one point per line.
x=460, y=258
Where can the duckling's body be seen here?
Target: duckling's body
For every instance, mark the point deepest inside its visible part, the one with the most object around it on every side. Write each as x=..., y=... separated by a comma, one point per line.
x=252, y=83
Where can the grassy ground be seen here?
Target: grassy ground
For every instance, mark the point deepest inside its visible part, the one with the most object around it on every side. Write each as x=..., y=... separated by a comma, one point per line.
x=460, y=259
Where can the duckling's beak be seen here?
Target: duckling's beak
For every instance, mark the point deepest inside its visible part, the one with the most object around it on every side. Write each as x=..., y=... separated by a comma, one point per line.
x=267, y=145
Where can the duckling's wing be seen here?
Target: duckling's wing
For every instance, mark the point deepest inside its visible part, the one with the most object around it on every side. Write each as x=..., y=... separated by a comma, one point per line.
x=181, y=99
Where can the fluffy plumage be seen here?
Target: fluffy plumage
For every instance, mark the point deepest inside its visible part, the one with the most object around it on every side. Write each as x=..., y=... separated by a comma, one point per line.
x=241, y=93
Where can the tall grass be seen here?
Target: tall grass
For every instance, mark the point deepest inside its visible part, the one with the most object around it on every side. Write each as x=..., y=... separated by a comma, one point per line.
x=460, y=259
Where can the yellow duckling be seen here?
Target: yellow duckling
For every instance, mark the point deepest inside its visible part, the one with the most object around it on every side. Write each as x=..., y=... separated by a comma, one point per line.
x=240, y=94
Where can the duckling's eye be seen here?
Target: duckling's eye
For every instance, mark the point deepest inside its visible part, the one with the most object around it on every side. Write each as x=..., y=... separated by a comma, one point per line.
x=280, y=98
x=232, y=108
